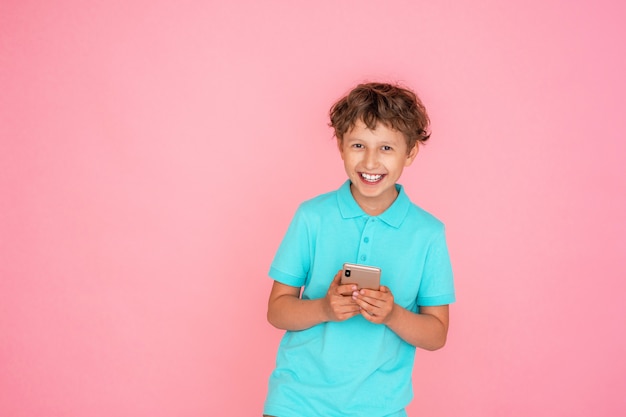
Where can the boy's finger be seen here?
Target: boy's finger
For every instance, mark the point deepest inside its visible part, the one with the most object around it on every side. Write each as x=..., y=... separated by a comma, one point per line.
x=346, y=289
x=337, y=278
x=336, y=281
x=364, y=292
x=343, y=289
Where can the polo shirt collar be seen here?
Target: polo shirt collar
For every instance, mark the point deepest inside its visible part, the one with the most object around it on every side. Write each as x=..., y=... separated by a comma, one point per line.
x=393, y=216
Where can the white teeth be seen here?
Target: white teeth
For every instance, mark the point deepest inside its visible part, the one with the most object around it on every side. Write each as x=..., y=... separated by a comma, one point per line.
x=371, y=178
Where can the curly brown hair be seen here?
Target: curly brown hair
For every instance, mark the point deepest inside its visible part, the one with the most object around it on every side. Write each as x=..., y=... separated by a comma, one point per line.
x=394, y=106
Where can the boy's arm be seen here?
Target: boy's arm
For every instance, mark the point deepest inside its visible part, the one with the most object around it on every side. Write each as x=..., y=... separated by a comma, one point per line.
x=427, y=329
x=287, y=311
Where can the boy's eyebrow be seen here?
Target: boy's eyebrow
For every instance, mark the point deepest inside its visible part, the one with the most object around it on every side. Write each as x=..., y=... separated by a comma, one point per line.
x=382, y=141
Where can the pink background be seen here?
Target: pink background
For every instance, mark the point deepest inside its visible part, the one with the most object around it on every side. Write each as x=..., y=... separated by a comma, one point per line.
x=152, y=154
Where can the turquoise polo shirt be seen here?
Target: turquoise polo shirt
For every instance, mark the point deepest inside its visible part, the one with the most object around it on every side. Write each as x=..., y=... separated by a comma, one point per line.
x=354, y=367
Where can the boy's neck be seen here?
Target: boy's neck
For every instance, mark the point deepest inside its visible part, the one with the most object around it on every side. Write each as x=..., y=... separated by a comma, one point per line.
x=374, y=206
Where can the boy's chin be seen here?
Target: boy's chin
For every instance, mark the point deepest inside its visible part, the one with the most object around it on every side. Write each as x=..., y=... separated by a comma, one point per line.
x=378, y=190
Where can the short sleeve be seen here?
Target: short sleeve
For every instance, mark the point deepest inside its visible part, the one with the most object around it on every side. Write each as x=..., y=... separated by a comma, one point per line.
x=292, y=261
x=437, y=285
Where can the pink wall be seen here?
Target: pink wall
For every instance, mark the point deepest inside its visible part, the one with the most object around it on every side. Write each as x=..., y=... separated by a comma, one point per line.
x=152, y=154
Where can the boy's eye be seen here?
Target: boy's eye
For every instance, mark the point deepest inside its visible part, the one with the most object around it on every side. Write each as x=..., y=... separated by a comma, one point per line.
x=357, y=145
x=386, y=148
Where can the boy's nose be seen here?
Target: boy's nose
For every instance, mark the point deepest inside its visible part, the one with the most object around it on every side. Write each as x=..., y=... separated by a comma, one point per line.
x=371, y=159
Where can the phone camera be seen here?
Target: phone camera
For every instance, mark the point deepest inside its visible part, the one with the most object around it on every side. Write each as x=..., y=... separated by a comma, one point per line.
x=347, y=273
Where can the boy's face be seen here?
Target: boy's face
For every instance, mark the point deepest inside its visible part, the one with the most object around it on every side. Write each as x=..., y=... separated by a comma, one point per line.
x=374, y=161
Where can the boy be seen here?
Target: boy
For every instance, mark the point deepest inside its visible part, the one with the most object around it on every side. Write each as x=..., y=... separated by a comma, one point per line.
x=350, y=352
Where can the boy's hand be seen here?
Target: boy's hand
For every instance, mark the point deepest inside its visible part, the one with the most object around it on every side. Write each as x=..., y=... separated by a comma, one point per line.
x=375, y=306
x=339, y=304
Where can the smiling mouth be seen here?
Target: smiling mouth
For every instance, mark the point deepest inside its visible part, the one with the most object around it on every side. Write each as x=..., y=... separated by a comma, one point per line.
x=371, y=178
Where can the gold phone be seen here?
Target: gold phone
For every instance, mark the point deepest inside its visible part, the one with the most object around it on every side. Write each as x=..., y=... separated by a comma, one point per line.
x=363, y=276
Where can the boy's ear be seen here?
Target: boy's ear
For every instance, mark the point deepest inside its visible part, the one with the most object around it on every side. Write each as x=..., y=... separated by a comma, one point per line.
x=411, y=156
x=340, y=147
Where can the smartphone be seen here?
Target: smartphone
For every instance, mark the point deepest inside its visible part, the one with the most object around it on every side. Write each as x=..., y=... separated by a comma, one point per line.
x=362, y=275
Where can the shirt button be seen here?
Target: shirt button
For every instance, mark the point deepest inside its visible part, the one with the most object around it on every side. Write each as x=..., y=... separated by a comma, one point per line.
x=363, y=257
x=366, y=240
